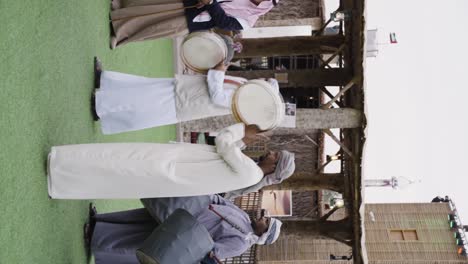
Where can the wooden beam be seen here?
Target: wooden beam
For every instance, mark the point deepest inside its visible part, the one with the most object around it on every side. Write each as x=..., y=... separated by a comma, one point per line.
x=329, y=118
x=302, y=182
x=306, y=119
x=341, y=230
x=317, y=33
x=311, y=140
x=315, y=22
x=343, y=147
x=338, y=51
x=299, y=218
x=322, y=62
x=286, y=46
x=341, y=92
x=320, y=169
x=327, y=215
x=325, y=91
x=302, y=78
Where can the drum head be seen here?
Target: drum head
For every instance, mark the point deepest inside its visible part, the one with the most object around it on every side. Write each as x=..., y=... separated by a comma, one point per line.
x=256, y=102
x=202, y=51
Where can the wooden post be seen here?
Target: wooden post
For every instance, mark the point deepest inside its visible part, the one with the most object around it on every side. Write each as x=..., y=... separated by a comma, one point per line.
x=315, y=22
x=305, y=119
x=302, y=78
x=292, y=11
x=340, y=230
x=331, y=96
x=287, y=46
x=341, y=92
x=329, y=118
x=311, y=181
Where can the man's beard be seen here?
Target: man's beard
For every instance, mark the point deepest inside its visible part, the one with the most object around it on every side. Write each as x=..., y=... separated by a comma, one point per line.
x=262, y=158
x=253, y=222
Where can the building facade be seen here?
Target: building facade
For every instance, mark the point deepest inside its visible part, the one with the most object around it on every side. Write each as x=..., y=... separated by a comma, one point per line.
x=412, y=233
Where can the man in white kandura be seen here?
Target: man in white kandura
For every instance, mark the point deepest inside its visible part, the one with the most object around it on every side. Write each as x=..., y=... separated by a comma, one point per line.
x=127, y=102
x=142, y=170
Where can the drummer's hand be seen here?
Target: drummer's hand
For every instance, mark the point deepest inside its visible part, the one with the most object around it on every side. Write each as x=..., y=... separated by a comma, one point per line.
x=199, y=5
x=250, y=134
x=202, y=3
x=222, y=66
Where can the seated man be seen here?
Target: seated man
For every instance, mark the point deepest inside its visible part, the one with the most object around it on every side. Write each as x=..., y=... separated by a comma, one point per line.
x=117, y=235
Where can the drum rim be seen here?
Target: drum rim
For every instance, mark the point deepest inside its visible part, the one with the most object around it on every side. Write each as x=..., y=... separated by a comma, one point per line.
x=279, y=111
x=217, y=40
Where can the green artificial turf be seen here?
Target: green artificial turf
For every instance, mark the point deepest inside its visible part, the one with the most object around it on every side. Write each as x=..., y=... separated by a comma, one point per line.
x=46, y=73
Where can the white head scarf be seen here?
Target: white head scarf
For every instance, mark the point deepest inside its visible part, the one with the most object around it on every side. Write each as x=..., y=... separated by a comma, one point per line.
x=284, y=169
x=252, y=238
x=272, y=234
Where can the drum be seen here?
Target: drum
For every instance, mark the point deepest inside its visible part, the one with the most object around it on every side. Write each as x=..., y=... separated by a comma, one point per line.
x=256, y=102
x=179, y=240
x=202, y=51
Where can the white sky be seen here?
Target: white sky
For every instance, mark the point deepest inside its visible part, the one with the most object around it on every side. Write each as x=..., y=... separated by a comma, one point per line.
x=416, y=92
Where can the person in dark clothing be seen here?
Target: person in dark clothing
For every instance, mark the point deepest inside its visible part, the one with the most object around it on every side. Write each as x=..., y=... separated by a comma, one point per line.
x=139, y=20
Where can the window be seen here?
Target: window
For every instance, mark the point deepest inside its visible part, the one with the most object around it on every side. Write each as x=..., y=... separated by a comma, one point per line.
x=396, y=235
x=403, y=235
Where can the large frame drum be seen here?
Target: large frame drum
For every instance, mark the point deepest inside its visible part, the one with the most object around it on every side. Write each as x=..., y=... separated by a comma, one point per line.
x=256, y=102
x=203, y=50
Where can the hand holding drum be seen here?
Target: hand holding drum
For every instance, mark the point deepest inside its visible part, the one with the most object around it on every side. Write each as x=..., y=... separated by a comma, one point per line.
x=222, y=66
x=250, y=134
x=202, y=3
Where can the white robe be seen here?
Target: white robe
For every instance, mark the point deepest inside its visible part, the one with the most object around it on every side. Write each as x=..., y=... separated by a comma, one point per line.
x=143, y=170
x=128, y=102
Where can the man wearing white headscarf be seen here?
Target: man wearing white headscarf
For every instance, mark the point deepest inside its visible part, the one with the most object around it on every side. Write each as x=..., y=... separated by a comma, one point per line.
x=284, y=169
x=148, y=170
x=272, y=233
x=128, y=102
x=117, y=235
